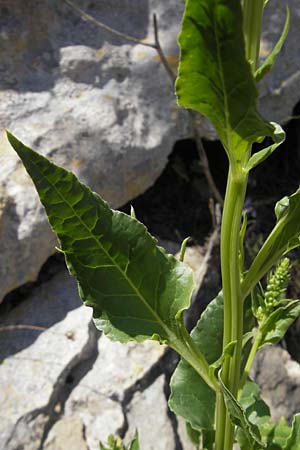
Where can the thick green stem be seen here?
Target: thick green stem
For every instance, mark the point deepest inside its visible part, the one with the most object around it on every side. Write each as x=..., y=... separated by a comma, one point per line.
x=233, y=305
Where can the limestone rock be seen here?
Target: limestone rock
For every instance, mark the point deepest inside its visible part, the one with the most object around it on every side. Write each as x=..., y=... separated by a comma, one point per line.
x=67, y=433
x=148, y=414
x=277, y=89
x=35, y=363
x=279, y=378
x=98, y=397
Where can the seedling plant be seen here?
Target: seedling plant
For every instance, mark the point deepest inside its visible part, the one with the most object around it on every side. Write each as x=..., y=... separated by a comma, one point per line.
x=138, y=291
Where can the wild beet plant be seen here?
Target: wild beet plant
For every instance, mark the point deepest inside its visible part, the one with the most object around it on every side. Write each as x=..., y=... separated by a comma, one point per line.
x=139, y=292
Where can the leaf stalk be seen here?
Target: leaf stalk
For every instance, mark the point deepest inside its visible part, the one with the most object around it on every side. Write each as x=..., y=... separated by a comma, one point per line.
x=187, y=349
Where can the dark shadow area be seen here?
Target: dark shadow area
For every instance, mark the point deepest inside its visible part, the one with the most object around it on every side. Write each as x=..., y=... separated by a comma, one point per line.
x=275, y=178
x=176, y=206
x=34, y=32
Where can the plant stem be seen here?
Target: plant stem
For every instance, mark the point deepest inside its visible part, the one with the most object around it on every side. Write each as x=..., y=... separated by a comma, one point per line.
x=231, y=222
x=253, y=351
x=233, y=306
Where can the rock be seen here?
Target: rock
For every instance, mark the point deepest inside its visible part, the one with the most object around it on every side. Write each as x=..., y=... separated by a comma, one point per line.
x=277, y=89
x=67, y=433
x=100, y=416
x=148, y=412
x=89, y=100
x=99, y=396
x=35, y=363
x=279, y=378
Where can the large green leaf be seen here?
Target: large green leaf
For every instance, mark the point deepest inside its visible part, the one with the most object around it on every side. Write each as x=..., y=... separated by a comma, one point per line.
x=136, y=290
x=190, y=397
x=284, y=237
x=214, y=75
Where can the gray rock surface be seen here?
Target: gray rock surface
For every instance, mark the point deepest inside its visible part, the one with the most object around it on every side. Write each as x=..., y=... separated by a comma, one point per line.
x=100, y=106
x=279, y=378
x=278, y=90
x=152, y=404
x=67, y=433
x=36, y=364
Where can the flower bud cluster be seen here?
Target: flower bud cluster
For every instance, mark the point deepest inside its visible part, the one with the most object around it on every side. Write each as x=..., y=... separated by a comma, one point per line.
x=277, y=284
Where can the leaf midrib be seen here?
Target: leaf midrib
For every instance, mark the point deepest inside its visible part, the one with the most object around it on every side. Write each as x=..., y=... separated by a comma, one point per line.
x=225, y=99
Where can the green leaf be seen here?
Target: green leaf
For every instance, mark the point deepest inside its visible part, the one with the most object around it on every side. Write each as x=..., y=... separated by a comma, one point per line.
x=272, y=57
x=190, y=397
x=293, y=442
x=276, y=325
x=134, y=445
x=281, y=207
x=136, y=290
x=183, y=248
x=239, y=418
x=208, y=439
x=254, y=406
x=214, y=76
x=274, y=436
x=256, y=411
x=284, y=237
x=259, y=157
